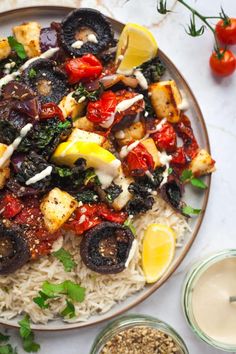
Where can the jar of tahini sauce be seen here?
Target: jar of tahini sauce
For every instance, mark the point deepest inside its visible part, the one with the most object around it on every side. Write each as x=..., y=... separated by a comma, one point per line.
x=209, y=300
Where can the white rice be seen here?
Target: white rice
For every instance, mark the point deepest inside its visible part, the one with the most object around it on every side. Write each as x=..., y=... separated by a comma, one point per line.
x=102, y=291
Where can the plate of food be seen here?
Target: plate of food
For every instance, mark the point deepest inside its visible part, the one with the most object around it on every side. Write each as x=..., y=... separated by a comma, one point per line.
x=104, y=167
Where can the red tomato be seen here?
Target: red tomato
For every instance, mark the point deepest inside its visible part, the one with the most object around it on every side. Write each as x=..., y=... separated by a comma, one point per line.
x=165, y=138
x=185, y=132
x=226, y=31
x=51, y=110
x=10, y=206
x=139, y=160
x=224, y=65
x=102, y=109
x=111, y=215
x=86, y=67
x=179, y=157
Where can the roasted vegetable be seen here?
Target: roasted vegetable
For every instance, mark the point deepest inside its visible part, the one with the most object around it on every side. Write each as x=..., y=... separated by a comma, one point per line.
x=112, y=192
x=136, y=131
x=49, y=82
x=57, y=206
x=123, y=182
x=4, y=171
x=202, y=164
x=172, y=192
x=28, y=34
x=69, y=179
x=45, y=136
x=14, y=249
x=78, y=25
x=152, y=70
x=139, y=205
x=87, y=196
x=105, y=248
x=82, y=135
x=165, y=98
x=5, y=49
x=71, y=108
x=32, y=165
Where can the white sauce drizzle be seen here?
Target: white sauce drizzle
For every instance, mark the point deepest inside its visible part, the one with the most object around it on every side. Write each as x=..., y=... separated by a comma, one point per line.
x=82, y=99
x=131, y=253
x=77, y=44
x=108, y=122
x=11, y=148
x=123, y=105
x=141, y=79
x=8, y=67
x=48, y=54
x=120, y=57
x=39, y=176
x=106, y=173
x=92, y=38
x=165, y=161
x=82, y=219
x=127, y=148
x=183, y=106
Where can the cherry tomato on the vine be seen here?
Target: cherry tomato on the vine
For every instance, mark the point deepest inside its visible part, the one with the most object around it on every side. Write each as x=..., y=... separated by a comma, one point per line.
x=226, y=31
x=223, y=64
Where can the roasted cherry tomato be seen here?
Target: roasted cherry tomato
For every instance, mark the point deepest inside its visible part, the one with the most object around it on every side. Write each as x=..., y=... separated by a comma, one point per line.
x=51, y=110
x=88, y=216
x=185, y=132
x=223, y=64
x=226, y=31
x=139, y=160
x=102, y=109
x=165, y=138
x=10, y=206
x=86, y=67
x=179, y=157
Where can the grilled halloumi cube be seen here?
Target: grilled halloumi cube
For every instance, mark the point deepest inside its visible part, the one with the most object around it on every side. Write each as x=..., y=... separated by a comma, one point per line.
x=152, y=149
x=125, y=195
x=57, y=206
x=4, y=171
x=71, y=108
x=165, y=98
x=5, y=48
x=135, y=132
x=82, y=135
x=202, y=164
x=84, y=124
x=28, y=34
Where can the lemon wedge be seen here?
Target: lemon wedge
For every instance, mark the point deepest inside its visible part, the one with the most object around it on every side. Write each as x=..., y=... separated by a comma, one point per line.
x=68, y=152
x=137, y=44
x=158, y=251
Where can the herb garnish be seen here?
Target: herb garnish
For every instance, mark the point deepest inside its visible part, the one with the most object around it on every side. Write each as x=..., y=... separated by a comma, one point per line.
x=196, y=182
x=129, y=224
x=188, y=210
x=4, y=338
x=65, y=258
x=7, y=349
x=32, y=73
x=91, y=177
x=89, y=95
x=27, y=336
x=17, y=47
x=69, y=310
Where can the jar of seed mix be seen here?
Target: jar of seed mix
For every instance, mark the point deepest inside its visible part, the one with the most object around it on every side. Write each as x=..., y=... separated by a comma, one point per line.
x=138, y=334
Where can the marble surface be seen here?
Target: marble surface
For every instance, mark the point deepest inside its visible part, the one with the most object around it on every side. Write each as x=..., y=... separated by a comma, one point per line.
x=217, y=101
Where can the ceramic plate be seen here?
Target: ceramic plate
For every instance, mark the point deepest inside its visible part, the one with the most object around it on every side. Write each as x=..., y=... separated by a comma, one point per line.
x=47, y=14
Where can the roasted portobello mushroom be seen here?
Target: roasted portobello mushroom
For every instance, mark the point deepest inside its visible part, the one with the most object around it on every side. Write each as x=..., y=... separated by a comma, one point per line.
x=105, y=247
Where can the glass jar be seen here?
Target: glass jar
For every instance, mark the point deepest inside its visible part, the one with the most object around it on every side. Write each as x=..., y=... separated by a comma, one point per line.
x=130, y=321
x=191, y=279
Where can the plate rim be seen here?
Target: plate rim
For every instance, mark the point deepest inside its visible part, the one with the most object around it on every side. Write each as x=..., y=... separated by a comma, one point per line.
x=176, y=264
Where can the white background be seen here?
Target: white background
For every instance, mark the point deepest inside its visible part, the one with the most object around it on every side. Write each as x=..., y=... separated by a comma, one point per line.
x=217, y=99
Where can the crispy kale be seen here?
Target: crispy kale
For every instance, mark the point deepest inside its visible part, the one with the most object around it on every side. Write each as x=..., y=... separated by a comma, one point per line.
x=154, y=182
x=89, y=95
x=87, y=196
x=45, y=136
x=69, y=179
x=141, y=201
x=32, y=165
x=172, y=192
x=152, y=69
x=112, y=192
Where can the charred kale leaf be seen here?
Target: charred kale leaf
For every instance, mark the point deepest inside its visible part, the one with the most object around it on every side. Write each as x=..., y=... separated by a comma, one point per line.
x=32, y=165
x=89, y=95
x=153, y=70
x=70, y=179
x=45, y=136
x=154, y=182
x=172, y=193
x=112, y=192
x=141, y=201
x=87, y=196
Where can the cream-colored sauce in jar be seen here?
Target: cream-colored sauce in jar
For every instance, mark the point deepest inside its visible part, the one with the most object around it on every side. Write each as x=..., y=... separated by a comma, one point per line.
x=212, y=309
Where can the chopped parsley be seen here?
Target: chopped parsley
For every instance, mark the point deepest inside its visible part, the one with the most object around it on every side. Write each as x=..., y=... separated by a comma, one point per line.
x=65, y=258
x=129, y=224
x=69, y=310
x=89, y=95
x=7, y=349
x=32, y=73
x=27, y=336
x=17, y=47
x=188, y=210
x=196, y=182
x=42, y=298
